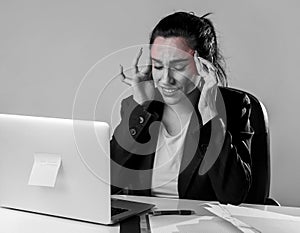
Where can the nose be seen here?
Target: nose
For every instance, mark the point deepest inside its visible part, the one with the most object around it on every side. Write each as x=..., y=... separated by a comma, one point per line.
x=167, y=77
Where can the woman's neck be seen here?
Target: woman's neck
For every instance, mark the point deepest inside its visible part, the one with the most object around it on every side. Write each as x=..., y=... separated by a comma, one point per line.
x=186, y=106
x=181, y=110
x=176, y=116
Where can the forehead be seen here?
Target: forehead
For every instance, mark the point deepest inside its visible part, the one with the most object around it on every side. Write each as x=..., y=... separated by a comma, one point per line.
x=171, y=47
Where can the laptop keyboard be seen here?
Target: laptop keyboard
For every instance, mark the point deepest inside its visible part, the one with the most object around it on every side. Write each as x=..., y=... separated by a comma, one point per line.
x=116, y=210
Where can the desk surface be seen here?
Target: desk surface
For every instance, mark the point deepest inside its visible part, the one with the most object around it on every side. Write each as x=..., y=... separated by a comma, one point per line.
x=13, y=221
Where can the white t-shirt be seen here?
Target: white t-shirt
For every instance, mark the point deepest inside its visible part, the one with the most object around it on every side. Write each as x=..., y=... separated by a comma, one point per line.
x=167, y=162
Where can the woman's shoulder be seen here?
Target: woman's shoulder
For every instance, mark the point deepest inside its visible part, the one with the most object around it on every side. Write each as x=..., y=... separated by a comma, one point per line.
x=232, y=102
x=233, y=96
x=127, y=100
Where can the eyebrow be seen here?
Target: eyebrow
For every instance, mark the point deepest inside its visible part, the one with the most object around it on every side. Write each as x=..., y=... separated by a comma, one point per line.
x=173, y=61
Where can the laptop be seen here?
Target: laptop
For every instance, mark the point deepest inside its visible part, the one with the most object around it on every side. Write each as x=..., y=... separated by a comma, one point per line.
x=60, y=167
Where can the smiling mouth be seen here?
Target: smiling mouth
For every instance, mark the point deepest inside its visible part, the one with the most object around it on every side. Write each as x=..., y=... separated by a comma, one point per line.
x=169, y=91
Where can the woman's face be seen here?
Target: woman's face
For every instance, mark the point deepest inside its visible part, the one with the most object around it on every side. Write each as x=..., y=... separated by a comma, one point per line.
x=173, y=68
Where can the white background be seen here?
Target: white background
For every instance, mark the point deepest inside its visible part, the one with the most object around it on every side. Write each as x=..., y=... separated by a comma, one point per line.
x=47, y=47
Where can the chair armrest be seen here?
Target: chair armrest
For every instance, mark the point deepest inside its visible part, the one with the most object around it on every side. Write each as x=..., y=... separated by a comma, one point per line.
x=271, y=201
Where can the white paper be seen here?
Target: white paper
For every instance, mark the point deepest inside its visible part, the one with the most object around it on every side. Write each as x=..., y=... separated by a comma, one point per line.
x=265, y=221
x=190, y=224
x=251, y=212
x=44, y=170
x=222, y=212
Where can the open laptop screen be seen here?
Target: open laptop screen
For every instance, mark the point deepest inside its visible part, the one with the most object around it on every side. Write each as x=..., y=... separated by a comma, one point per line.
x=55, y=166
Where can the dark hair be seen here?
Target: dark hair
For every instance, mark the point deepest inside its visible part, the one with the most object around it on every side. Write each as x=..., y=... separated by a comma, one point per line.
x=199, y=33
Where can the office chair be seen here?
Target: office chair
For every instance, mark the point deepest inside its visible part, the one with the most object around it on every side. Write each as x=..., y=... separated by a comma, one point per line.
x=260, y=154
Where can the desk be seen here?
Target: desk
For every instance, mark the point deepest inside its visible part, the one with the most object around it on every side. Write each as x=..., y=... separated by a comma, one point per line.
x=163, y=203
x=12, y=221
x=190, y=224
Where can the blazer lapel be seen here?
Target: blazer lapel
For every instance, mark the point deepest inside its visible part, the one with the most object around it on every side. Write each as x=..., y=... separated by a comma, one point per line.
x=197, y=141
x=193, y=154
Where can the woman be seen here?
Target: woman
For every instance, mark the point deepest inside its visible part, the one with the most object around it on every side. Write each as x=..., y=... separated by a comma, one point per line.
x=181, y=135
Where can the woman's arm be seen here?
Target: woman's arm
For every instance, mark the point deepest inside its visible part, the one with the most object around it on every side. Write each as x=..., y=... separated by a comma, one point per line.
x=131, y=141
x=231, y=173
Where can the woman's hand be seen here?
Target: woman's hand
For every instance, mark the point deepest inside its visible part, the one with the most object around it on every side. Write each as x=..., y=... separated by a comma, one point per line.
x=141, y=81
x=207, y=82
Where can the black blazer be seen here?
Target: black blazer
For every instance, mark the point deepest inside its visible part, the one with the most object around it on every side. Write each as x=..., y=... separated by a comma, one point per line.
x=214, y=166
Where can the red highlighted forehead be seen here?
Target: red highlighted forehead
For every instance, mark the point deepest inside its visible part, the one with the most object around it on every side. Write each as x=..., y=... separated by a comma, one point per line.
x=172, y=48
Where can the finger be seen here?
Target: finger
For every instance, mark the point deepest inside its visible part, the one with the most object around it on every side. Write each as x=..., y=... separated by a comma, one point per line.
x=201, y=84
x=146, y=73
x=125, y=79
x=198, y=82
x=147, y=68
x=202, y=70
x=127, y=82
x=210, y=82
x=210, y=85
x=136, y=60
x=149, y=61
x=197, y=62
x=122, y=72
x=211, y=69
x=208, y=64
x=199, y=79
x=121, y=69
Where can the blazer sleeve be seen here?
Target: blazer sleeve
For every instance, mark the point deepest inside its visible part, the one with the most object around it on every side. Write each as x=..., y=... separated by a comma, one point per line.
x=230, y=175
x=130, y=141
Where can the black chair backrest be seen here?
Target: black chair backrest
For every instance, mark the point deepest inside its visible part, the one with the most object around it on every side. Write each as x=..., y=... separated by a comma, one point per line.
x=260, y=152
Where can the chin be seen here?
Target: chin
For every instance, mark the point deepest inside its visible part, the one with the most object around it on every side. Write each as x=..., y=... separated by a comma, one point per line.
x=171, y=100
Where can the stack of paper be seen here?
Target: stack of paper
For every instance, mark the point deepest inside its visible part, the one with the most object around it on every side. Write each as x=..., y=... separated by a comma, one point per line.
x=254, y=220
x=226, y=218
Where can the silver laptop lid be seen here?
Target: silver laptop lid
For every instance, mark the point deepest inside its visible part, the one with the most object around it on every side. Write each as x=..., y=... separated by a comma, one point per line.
x=55, y=166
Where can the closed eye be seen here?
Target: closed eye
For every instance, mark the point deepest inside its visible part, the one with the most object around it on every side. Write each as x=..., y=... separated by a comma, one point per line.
x=179, y=68
x=158, y=67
